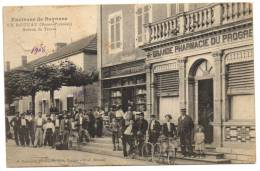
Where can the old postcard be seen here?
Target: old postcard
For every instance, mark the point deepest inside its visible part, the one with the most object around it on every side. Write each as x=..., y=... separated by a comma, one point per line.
x=129, y=84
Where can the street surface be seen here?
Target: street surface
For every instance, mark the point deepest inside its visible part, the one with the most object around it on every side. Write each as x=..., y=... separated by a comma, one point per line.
x=46, y=156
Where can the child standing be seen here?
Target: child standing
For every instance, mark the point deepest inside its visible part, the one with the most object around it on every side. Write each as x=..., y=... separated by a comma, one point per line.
x=199, y=139
x=115, y=133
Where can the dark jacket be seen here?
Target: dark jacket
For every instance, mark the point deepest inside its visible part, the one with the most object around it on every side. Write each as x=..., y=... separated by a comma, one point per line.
x=141, y=126
x=169, y=133
x=15, y=122
x=186, y=125
x=156, y=128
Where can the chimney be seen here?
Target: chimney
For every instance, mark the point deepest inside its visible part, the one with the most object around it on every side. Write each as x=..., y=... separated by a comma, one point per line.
x=7, y=66
x=24, y=60
x=60, y=45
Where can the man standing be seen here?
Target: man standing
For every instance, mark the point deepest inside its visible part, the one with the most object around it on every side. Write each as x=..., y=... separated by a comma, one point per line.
x=91, y=125
x=185, y=128
x=99, y=121
x=56, y=122
x=24, y=137
x=49, y=130
x=154, y=130
x=80, y=121
x=128, y=134
x=141, y=128
x=15, y=124
x=39, y=121
x=31, y=127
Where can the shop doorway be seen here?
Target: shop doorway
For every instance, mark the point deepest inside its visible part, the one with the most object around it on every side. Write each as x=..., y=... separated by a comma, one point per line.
x=205, y=108
x=127, y=97
x=201, y=96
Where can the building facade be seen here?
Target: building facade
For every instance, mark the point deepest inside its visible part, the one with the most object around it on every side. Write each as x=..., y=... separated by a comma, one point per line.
x=194, y=56
x=83, y=54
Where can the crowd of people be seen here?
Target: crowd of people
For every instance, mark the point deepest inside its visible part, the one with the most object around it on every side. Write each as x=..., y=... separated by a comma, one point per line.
x=128, y=128
x=56, y=129
x=133, y=129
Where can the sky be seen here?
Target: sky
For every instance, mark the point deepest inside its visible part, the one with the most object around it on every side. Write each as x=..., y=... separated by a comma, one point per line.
x=30, y=30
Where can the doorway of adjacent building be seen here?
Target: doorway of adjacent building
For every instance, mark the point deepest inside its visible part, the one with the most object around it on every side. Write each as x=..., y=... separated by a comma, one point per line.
x=70, y=103
x=205, y=108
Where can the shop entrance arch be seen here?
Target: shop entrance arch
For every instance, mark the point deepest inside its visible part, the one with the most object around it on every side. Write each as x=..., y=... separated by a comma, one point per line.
x=201, y=103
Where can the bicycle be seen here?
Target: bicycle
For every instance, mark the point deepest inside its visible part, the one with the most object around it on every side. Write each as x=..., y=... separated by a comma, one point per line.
x=166, y=147
x=148, y=150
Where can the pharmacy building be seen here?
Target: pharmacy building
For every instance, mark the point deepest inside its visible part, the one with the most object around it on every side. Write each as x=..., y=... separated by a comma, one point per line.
x=161, y=58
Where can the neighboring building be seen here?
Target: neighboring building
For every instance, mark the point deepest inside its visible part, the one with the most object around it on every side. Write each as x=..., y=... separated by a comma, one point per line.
x=82, y=53
x=193, y=56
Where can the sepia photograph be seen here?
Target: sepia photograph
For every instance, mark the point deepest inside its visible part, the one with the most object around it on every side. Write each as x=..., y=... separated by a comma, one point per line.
x=129, y=84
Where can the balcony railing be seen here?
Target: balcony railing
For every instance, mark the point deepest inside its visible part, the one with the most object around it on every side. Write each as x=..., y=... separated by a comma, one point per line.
x=197, y=20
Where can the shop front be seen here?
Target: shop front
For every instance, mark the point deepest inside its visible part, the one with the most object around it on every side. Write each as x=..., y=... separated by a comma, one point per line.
x=124, y=85
x=210, y=74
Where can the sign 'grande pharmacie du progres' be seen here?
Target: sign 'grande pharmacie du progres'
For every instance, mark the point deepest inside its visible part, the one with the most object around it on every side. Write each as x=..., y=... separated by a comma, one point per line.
x=201, y=43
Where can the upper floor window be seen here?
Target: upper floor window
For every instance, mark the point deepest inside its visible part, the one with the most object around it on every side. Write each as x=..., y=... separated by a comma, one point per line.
x=143, y=15
x=174, y=9
x=115, y=30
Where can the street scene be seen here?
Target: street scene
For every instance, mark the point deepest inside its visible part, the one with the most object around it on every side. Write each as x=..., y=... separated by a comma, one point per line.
x=129, y=84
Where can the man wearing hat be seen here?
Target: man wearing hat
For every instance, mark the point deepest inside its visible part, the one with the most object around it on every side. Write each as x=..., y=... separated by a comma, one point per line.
x=154, y=129
x=141, y=128
x=185, y=128
x=169, y=129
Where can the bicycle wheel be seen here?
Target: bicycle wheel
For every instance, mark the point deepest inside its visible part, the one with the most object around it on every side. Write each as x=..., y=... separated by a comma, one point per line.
x=156, y=155
x=171, y=157
x=147, y=149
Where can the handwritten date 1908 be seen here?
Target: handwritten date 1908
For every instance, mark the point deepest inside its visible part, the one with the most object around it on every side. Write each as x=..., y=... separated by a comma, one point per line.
x=38, y=49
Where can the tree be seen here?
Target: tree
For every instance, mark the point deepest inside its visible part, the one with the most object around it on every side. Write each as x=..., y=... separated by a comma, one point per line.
x=75, y=76
x=50, y=79
x=19, y=83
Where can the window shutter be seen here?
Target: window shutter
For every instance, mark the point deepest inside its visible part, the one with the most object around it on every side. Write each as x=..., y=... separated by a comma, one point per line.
x=118, y=32
x=240, y=75
x=146, y=14
x=167, y=84
x=112, y=26
x=139, y=24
